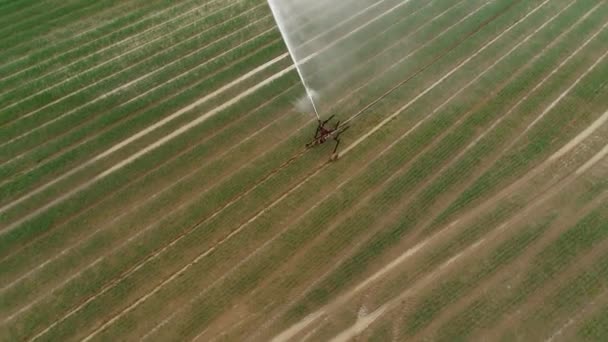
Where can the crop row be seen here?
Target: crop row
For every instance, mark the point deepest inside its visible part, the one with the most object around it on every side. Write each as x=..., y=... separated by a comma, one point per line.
x=187, y=116
x=173, y=77
x=74, y=78
x=10, y=8
x=140, y=24
x=546, y=265
x=437, y=300
x=134, y=112
x=414, y=175
x=29, y=27
x=269, y=190
x=544, y=138
x=379, y=244
x=185, y=56
x=35, y=178
x=190, y=157
x=86, y=173
x=48, y=62
x=596, y=327
x=459, y=283
x=428, y=304
x=312, y=227
x=333, y=240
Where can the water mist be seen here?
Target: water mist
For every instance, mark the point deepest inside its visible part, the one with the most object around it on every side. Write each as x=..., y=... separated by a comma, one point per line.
x=290, y=47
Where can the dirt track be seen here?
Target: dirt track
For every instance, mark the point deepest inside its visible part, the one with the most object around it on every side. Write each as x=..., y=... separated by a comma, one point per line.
x=206, y=251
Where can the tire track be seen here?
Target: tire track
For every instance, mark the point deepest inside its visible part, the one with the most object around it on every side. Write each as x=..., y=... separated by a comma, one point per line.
x=304, y=150
x=239, y=229
x=338, y=102
x=172, y=135
x=114, y=59
x=255, y=217
x=503, y=280
x=140, y=205
x=113, y=221
x=594, y=161
x=518, y=72
x=37, y=23
x=426, y=281
x=125, y=86
x=81, y=34
x=565, y=331
x=501, y=194
x=126, y=40
x=531, y=92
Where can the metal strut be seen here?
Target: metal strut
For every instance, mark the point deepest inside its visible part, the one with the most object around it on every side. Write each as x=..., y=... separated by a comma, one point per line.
x=323, y=134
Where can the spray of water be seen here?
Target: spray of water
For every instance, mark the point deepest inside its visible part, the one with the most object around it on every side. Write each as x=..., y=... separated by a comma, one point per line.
x=304, y=103
x=290, y=47
x=337, y=46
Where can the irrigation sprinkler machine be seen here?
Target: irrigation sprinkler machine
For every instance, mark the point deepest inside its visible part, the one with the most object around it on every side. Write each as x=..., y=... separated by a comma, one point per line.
x=325, y=133
x=325, y=130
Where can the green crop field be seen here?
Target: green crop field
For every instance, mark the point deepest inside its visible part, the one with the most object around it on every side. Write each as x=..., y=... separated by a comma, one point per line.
x=155, y=185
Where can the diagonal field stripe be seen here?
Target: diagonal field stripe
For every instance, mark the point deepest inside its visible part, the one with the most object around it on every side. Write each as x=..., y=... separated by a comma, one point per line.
x=169, y=137
x=559, y=153
x=128, y=39
x=97, y=66
x=93, y=29
x=122, y=87
x=65, y=251
x=278, y=200
x=187, y=267
x=251, y=90
x=554, y=189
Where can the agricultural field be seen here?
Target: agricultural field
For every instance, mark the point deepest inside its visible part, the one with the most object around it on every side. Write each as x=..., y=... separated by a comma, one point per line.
x=155, y=185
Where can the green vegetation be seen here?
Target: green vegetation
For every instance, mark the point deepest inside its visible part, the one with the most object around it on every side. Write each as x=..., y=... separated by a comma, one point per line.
x=596, y=328
x=546, y=265
x=381, y=241
x=153, y=180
